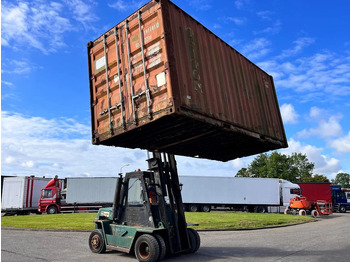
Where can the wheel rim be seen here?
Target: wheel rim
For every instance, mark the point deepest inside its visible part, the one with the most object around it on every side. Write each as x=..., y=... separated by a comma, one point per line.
x=144, y=250
x=95, y=242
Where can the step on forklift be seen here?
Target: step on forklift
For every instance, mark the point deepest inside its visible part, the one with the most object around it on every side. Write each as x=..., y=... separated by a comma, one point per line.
x=147, y=216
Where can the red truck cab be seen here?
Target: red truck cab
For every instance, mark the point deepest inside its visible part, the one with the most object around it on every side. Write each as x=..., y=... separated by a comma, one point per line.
x=51, y=197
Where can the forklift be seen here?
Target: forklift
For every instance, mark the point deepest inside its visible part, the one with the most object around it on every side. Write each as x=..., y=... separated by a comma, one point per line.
x=147, y=215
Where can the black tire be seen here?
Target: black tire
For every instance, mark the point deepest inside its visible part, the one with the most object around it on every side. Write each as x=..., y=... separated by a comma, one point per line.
x=193, y=208
x=97, y=242
x=147, y=248
x=260, y=209
x=162, y=246
x=51, y=210
x=205, y=208
x=195, y=240
x=342, y=209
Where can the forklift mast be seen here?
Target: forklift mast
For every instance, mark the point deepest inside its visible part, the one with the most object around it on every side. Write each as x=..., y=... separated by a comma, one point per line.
x=171, y=214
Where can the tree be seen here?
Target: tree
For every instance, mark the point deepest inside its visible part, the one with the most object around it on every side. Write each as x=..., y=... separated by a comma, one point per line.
x=295, y=168
x=317, y=179
x=342, y=179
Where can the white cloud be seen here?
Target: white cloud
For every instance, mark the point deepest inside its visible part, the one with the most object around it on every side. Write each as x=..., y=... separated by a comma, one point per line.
x=83, y=12
x=324, y=164
x=236, y=20
x=43, y=24
x=326, y=127
x=342, y=144
x=201, y=5
x=289, y=114
x=299, y=45
x=265, y=15
x=38, y=24
x=122, y=5
x=322, y=77
x=256, y=48
x=49, y=147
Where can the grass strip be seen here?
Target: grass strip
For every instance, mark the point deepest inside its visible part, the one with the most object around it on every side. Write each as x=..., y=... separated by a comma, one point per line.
x=212, y=220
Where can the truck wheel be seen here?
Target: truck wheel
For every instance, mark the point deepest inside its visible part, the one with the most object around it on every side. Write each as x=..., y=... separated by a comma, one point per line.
x=97, y=242
x=193, y=208
x=314, y=213
x=342, y=209
x=205, y=208
x=147, y=248
x=195, y=240
x=260, y=209
x=51, y=210
x=162, y=246
x=302, y=212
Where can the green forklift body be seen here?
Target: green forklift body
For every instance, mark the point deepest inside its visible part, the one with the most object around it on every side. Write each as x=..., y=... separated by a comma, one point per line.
x=122, y=237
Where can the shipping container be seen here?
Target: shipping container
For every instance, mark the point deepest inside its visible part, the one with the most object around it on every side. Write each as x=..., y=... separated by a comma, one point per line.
x=90, y=190
x=255, y=194
x=21, y=194
x=161, y=81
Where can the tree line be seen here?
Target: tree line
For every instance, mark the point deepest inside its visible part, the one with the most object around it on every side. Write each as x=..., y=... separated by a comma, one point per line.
x=295, y=168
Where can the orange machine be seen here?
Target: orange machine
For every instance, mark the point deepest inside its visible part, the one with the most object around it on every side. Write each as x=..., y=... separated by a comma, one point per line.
x=303, y=206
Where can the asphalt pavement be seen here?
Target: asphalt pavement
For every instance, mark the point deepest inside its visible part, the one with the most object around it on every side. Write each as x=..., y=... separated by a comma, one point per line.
x=328, y=239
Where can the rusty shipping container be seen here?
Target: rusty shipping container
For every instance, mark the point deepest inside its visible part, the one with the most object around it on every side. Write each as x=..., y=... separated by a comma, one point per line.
x=160, y=80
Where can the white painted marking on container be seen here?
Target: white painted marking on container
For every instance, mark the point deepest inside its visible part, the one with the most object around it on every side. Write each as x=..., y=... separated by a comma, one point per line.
x=161, y=79
x=101, y=62
x=116, y=79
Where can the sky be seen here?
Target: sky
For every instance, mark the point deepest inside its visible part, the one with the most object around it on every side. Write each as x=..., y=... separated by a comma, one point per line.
x=45, y=112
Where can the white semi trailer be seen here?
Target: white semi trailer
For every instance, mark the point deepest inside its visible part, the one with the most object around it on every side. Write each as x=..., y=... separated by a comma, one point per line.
x=20, y=194
x=203, y=193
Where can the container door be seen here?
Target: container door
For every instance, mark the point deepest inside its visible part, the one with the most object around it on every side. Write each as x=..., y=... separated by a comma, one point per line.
x=128, y=74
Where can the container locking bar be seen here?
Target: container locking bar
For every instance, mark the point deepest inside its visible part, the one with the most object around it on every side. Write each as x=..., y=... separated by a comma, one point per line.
x=119, y=82
x=148, y=96
x=130, y=73
x=107, y=86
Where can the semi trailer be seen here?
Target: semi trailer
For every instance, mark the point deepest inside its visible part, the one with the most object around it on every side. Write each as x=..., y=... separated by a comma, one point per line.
x=242, y=193
x=82, y=194
x=20, y=194
x=339, y=199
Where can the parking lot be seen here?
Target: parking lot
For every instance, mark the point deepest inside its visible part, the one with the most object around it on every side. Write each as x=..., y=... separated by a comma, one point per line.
x=328, y=239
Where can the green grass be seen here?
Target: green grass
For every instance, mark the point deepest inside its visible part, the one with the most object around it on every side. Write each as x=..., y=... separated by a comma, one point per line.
x=239, y=220
x=213, y=220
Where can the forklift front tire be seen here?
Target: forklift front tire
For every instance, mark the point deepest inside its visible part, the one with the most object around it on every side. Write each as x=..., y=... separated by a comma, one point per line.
x=97, y=242
x=162, y=246
x=195, y=240
x=147, y=248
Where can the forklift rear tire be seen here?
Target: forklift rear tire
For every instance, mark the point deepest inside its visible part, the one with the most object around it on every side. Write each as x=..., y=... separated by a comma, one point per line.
x=147, y=248
x=97, y=242
x=162, y=246
x=195, y=240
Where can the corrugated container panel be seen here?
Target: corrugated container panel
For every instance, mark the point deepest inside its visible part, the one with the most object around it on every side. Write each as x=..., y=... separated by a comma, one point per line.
x=173, y=86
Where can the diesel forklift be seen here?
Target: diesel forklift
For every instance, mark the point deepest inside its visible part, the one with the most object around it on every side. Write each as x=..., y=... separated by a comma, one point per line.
x=147, y=215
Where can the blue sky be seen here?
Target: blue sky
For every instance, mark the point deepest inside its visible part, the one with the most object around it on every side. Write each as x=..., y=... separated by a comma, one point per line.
x=45, y=120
